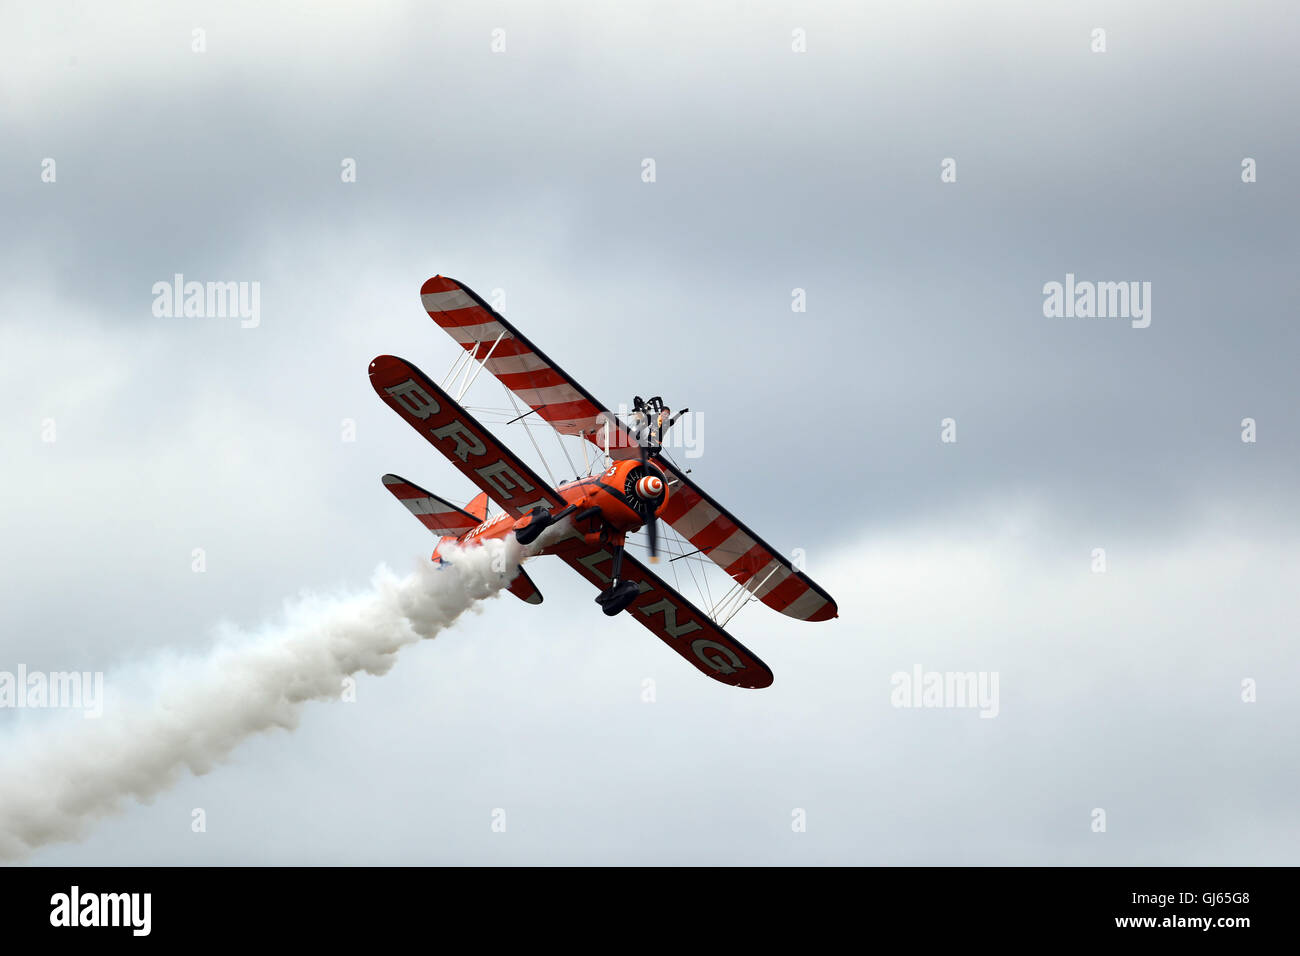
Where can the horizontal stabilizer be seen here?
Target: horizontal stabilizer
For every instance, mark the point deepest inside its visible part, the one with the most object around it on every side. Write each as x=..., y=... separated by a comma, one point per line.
x=523, y=588
x=439, y=516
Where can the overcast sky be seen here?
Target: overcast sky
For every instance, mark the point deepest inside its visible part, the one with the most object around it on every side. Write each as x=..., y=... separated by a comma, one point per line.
x=775, y=170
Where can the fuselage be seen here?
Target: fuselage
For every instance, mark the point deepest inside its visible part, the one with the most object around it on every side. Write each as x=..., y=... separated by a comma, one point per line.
x=613, y=492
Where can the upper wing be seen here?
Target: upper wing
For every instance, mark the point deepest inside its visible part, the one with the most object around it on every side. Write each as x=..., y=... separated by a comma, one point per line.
x=751, y=561
x=670, y=617
x=453, y=431
x=572, y=410
x=521, y=366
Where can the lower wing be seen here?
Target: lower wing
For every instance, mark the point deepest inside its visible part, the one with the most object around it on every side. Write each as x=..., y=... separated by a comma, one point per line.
x=670, y=617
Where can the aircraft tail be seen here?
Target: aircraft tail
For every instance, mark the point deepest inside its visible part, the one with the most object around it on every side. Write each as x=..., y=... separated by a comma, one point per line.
x=521, y=587
x=478, y=506
x=439, y=516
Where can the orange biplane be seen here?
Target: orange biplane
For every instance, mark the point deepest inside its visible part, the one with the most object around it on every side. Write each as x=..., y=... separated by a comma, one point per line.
x=586, y=521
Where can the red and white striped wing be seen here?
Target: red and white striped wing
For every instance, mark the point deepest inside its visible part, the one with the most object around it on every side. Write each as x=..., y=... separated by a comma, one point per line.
x=518, y=364
x=749, y=559
x=572, y=410
x=670, y=617
x=441, y=517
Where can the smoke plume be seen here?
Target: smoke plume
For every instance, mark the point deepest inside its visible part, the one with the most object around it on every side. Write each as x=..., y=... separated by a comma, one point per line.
x=66, y=774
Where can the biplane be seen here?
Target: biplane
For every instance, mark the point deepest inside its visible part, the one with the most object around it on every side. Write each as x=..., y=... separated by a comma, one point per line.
x=631, y=484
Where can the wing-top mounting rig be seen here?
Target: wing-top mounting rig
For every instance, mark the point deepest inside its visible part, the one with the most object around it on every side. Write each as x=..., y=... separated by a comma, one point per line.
x=632, y=485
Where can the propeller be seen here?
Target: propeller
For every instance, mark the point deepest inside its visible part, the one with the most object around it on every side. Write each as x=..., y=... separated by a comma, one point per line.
x=646, y=494
x=655, y=486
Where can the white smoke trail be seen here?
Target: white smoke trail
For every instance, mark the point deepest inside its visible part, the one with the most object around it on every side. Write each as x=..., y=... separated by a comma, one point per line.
x=64, y=777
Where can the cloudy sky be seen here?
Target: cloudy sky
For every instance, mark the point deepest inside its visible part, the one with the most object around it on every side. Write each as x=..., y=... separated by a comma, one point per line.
x=131, y=439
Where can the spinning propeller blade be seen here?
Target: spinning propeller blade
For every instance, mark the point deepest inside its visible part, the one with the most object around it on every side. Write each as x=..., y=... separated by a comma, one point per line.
x=652, y=523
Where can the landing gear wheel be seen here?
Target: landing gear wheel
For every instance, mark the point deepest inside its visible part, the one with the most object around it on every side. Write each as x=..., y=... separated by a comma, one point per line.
x=614, y=601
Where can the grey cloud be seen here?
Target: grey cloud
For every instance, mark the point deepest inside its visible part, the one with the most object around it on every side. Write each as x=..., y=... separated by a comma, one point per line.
x=775, y=171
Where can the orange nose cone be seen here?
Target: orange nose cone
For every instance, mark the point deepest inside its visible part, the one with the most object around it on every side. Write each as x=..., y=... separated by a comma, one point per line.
x=650, y=487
